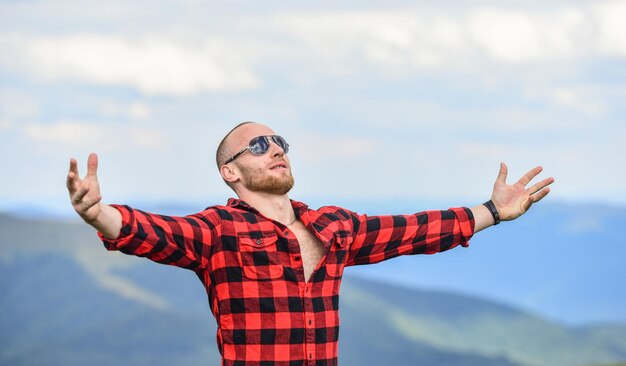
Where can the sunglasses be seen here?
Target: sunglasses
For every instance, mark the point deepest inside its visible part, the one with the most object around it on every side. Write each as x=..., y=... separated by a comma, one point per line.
x=260, y=144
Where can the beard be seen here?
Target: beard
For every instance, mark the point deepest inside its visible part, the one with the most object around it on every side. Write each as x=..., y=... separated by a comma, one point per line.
x=256, y=180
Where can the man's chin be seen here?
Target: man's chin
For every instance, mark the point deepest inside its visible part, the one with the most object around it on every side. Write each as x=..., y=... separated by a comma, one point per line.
x=273, y=186
x=282, y=189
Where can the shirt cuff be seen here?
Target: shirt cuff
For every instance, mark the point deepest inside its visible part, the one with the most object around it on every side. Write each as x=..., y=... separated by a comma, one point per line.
x=465, y=222
x=129, y=228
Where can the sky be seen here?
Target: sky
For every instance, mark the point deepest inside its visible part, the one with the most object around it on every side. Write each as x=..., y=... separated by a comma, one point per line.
x=379, y=100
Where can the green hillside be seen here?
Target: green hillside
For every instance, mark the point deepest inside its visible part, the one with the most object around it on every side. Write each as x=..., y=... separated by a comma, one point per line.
x=473, y=326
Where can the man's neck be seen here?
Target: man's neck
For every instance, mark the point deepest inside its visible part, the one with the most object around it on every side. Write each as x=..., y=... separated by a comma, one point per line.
x=275, y=207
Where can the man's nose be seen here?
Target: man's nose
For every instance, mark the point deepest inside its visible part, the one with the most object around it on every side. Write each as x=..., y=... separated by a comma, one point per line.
x=276, y=150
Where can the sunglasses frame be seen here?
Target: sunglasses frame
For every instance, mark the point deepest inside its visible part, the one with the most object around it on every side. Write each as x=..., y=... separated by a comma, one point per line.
x=267, y=139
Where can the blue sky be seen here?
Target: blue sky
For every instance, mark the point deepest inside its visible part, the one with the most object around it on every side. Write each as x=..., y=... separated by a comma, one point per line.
x=379, y=100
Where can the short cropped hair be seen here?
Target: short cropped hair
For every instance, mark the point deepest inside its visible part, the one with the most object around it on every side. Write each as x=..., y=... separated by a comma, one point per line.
x=221, y=155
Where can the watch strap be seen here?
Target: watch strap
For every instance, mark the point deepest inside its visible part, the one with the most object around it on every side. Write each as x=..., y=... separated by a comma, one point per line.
x=494, y=212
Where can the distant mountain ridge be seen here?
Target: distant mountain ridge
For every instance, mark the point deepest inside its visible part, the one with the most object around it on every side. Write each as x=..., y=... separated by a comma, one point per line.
x=67, y=301
x=471, y=325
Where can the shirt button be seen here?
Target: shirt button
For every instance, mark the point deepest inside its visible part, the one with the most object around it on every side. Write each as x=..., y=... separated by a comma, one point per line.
x=259, y=241
x=286, y=232
x=297, y=258
x=310, y=322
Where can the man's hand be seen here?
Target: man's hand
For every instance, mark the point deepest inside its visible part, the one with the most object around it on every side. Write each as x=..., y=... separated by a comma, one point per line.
x=85, y=193
x=85, y=197
x=514, y=200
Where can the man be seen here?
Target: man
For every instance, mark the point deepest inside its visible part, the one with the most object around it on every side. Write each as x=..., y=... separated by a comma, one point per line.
x=272, y=266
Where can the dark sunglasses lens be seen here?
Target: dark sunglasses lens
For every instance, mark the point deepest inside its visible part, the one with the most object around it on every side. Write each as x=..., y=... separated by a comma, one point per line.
x=259, y=145
x=282, y=143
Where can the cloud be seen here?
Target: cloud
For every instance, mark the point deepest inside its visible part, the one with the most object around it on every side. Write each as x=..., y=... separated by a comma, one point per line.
x=609, y=19
x=153, y=64
x=16, y=104
x=320, y=148
x=72, y=134
x=135, y=110
x=5, y=125
x=139, y=111
x=434, y=39
x=505, y=35
x=397, y=41
x=572, y=98
x=64, y=132
x=144, y=137
x=514, y=36
x=590, y=100
x=393, y=43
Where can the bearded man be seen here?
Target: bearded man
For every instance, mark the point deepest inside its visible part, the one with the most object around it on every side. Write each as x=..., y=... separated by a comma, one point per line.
x=272, y=266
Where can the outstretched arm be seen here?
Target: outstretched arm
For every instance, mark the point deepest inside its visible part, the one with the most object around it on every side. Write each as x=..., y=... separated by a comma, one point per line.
x=378, y=238
x=181, y=241
x=86, y=199
x=513, y=200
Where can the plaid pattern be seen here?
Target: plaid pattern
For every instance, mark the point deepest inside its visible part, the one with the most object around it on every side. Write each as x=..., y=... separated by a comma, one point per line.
x=267, y=314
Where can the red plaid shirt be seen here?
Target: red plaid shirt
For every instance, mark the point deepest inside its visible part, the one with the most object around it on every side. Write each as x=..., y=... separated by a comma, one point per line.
x=251, y=268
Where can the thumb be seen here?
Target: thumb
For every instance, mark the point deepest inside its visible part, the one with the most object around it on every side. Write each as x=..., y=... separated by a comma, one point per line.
x=502, y=174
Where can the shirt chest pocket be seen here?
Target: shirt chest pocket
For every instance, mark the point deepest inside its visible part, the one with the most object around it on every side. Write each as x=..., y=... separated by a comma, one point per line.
x=337, y=255
x=259, y=257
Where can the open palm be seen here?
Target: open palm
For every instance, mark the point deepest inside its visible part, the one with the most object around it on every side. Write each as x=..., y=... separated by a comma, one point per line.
x=514, y=200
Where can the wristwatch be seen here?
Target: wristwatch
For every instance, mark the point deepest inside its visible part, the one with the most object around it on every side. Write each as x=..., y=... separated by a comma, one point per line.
x=494, y=212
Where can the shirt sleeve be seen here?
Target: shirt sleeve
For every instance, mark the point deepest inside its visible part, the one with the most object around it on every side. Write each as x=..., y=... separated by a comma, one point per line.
x=378, y=238
x=179, y=241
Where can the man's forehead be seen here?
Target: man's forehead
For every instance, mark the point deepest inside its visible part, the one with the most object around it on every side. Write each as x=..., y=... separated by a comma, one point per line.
x=242, y=135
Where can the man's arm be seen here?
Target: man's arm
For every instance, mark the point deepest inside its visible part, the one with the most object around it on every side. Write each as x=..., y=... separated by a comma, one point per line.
x=382, y=237
x=511, y=201
x=378, y=238
x=180, y=241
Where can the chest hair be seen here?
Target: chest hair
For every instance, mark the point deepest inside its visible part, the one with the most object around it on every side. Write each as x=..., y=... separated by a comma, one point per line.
x=311, y=248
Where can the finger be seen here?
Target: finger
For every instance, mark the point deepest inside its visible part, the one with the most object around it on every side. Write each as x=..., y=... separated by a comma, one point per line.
x=92, y=165
x=72, y=176
x=73, y=166
x=502, y=174
x=530, y=175
x=80, y=194
x=541, y=194
x=70, y=183
x=538, y=186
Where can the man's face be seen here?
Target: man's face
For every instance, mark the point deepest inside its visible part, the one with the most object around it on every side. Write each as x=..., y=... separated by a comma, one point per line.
x=268, y=173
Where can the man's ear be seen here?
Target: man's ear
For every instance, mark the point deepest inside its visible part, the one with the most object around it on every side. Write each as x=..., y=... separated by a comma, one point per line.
x=229, y=173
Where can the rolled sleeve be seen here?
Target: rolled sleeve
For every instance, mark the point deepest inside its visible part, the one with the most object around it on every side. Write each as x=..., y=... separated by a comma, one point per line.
x=464, y=224
x=129, y=228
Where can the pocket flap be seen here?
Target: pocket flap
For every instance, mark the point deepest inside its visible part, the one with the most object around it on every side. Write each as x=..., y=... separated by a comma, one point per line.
x=250, y=243
x=343, y=238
